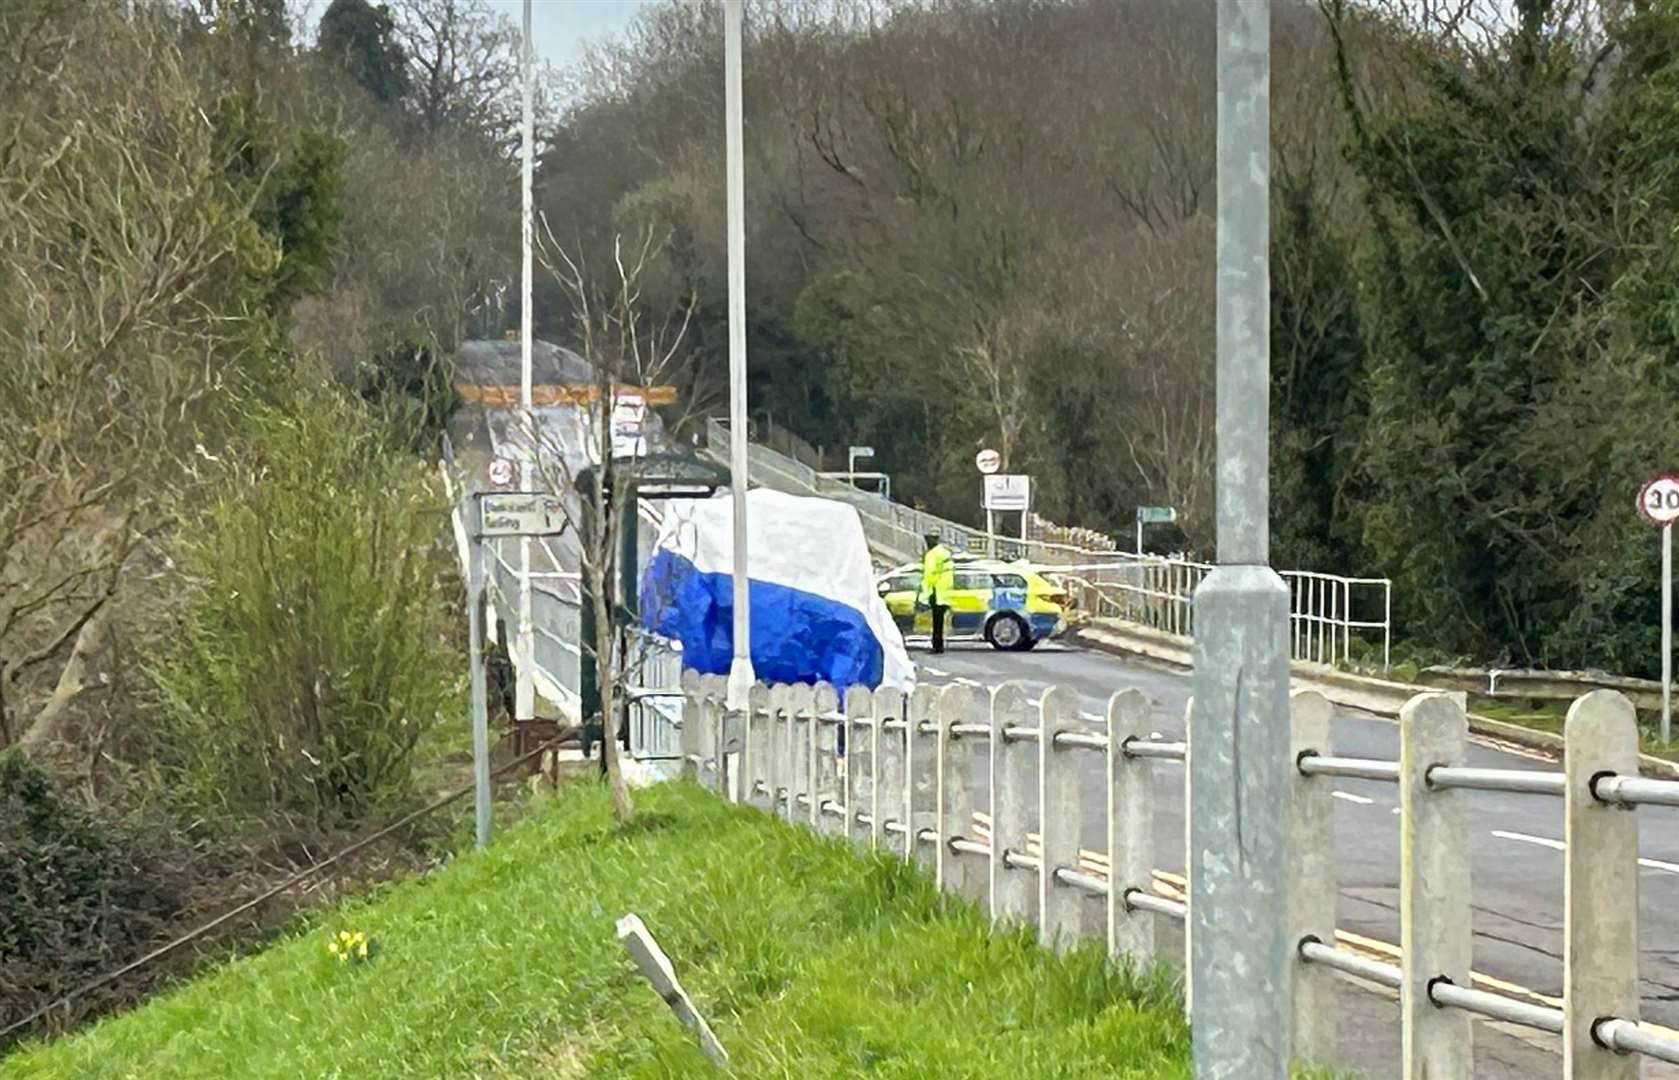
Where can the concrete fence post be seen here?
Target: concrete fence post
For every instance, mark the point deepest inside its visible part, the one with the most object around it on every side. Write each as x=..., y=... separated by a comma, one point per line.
x=739, y=737
x=1600, y=890
x=1434, y=889
x=1188, y=858
x=1311, y=901
x=921, y=775
x=801, y=705
x=822, y=763
x=712, y=772
x=1059, y=905
x=755, y=746
x=889, y=768
x=712, y=690
x=958, y=704
x=1130, y=828
x=775, y=762
x=859, y=758
x=1013, y=790
x=693, y=714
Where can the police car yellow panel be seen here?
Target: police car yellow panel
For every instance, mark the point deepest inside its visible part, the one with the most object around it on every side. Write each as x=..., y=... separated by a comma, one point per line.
x=1007, y=605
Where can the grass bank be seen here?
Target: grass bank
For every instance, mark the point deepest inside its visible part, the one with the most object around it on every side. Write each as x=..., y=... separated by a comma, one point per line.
x=808, y=960
x=1549, y=716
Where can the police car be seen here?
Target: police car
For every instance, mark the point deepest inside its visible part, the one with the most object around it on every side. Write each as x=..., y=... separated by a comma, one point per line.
x=1007, y=605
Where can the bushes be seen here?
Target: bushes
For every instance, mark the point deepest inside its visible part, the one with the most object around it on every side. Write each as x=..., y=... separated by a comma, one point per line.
x=75, y=890
x=313, y=650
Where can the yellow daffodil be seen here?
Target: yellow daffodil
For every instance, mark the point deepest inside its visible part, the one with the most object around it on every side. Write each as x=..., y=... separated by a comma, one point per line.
x=349, y=943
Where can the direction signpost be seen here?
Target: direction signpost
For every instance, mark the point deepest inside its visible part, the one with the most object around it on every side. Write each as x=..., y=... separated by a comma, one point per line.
x=851, y=457
x=515, y=513
x=520, y=513
x=1658, y=501
x=1153, y=515
x=1008, y=492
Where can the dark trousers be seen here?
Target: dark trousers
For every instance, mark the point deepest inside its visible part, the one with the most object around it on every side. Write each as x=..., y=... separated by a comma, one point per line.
x=939, y=611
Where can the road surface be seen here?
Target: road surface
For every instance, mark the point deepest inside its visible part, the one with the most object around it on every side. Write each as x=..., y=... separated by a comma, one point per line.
x=1517, y=861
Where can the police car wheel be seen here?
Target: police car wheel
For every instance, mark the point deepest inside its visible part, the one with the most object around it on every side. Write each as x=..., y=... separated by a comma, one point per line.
x=1007, y=632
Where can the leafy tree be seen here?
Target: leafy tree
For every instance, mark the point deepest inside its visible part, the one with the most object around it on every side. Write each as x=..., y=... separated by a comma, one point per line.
x=361, y=38
x=1317, y=383
x=300, y=205
x=411, y=385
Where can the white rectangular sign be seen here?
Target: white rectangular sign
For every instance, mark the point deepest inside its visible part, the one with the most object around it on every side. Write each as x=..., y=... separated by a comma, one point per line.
x=1004, y=491
x=520, y=514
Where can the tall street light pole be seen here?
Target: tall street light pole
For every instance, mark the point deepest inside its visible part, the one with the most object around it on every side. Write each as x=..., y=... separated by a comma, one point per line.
x=1239, y=953
x=524, y=696
x=740, y=670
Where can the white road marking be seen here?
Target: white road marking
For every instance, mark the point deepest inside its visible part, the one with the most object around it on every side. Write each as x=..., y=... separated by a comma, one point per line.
x=1558, y=845
x=939, y=673
x=1350, y=797
x=1524, y=838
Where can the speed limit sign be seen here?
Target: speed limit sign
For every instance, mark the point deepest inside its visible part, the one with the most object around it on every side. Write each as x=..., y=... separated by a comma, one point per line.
x=1658, y=500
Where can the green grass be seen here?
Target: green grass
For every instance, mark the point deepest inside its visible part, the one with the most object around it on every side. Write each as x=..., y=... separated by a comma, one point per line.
x=808, y=960
x=1551, y=715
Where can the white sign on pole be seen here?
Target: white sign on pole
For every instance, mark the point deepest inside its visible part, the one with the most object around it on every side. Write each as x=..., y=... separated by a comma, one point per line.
x=1009, y=492
x=501, y=472
x=988, y=461
x=520, y=514
x=1658, y=501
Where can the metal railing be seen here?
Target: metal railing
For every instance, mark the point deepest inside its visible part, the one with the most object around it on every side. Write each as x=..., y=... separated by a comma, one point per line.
x=899, y=774
x=1326, y=611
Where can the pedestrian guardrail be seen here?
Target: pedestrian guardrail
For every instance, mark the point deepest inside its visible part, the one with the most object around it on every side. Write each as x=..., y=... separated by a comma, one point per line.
x=1326, y=611
x=908, y=782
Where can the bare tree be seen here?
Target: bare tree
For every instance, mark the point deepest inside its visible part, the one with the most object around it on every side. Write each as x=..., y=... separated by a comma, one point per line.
x=464, y=60
x=627, y=348
x=127, y=285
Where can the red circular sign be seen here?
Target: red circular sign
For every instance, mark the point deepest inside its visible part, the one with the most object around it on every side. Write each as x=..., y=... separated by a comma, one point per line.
x=1658, y=499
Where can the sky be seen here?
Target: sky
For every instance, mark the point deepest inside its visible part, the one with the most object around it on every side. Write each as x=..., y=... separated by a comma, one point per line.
x=560, y=27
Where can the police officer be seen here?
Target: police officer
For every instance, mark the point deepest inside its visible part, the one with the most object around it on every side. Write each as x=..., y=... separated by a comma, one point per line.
x=938, y=580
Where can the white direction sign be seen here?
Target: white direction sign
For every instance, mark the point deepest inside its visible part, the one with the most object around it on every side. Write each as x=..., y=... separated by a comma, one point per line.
x=988, y=461
x=520, y=514
x=1008, y=492
x=501, y=472
x=1658, y=500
